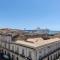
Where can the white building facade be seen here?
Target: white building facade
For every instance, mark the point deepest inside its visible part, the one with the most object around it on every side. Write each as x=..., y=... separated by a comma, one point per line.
x=22, y=51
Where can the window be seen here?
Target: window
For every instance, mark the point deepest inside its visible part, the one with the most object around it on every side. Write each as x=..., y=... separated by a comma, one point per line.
x=39, y=58
x=5, y=45
x=17, y=50
x=5, y=52
x=13, y=48
x=12, y=57
x=8, y=55
x=30, y=58
x=22, y=51
x=48, y=57
x=17, y=58
x=29, y=54
x=48, y=47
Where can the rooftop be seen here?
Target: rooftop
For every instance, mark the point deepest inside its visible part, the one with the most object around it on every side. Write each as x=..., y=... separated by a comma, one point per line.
x=30, y=39
x=36, y=42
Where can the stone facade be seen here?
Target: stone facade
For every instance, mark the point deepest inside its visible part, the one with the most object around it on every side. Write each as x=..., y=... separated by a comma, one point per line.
x=16, y=51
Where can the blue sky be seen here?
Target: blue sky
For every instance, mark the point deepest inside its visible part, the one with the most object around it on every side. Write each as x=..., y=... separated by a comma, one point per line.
x=30, y=14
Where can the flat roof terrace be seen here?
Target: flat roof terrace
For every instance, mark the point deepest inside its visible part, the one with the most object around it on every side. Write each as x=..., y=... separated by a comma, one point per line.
x=36, y=42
